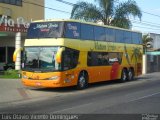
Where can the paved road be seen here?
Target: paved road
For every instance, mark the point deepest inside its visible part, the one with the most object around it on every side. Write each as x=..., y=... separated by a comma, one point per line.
x=136, y=97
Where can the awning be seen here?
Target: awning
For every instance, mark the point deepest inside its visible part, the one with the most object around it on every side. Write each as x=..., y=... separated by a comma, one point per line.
x=153, y=53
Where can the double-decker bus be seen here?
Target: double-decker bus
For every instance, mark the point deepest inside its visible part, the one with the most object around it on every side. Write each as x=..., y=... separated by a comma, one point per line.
x=61, y=53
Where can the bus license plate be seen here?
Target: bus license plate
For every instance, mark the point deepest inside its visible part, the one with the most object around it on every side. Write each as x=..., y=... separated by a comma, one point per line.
x=38, y=84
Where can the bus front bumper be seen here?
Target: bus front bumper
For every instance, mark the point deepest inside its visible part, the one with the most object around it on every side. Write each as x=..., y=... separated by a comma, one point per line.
x=43, y=83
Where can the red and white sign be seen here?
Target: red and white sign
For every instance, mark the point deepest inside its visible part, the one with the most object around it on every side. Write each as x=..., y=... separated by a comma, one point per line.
x=12, y=29
x=10, y=25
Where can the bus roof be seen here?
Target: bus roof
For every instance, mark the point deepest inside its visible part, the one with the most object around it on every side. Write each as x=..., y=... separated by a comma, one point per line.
x=80, y=21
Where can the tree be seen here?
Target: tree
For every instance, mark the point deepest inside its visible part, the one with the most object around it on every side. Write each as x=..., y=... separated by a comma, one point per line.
x=110, y=12
x=146, y=39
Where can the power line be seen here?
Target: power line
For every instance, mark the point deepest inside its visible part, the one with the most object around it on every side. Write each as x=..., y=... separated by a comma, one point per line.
x=72, y=4
x=46, y=7
x=134, y=21
x=144, y=11
x=69, y=3
x=151, y=14
x=145, y=27
x=142, y=22
x=65, y=2
x=150, y=23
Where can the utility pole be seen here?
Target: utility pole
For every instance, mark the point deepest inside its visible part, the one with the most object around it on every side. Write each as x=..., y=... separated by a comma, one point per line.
x=144, y=60
x=18, y=46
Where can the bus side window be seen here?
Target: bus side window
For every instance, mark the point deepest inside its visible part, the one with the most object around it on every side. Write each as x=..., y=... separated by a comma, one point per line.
x=99, y=33
x=72, y=30
x=106, y=58
x=87, y=32
x=119, y=36
x=127, y=37
x=110, y=34
x=115, y=57
x=98, y=59
x=70, y=58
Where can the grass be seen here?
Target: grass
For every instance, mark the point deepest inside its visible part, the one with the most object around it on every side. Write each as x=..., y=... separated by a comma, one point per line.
x=10, y=74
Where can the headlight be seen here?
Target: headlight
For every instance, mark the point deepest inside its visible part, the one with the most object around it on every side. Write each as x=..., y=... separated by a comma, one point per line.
x=54, y=78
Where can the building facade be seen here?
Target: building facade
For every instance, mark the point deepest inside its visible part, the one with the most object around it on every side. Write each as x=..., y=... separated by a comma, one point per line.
x=156, y=41
x=153, y=54
x=15, y=16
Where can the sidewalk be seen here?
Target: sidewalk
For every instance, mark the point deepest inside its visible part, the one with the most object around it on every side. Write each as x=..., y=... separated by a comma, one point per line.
x=9, y=90
x=12, y=90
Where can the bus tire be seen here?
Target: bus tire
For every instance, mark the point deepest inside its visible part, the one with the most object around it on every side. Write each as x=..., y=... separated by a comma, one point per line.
x=123, y=76
x=82, y=81
x=130, y=74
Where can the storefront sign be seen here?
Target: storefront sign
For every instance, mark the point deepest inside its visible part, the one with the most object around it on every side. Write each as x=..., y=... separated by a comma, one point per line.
x=10, y=25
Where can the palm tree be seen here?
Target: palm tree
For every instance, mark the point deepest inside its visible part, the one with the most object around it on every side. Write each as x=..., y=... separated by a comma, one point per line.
x=146, y=39
x=110, y=12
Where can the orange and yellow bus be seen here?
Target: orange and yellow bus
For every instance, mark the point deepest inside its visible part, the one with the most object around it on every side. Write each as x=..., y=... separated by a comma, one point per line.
x=61, y=53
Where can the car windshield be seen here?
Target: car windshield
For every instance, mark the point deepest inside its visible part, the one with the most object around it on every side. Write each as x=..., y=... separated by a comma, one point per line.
x=45, y=30
x=40, y=59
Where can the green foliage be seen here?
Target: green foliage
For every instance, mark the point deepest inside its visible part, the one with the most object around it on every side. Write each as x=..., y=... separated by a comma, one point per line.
x=107, y=11
x=145, y=39
x=86, y=11
x=12, y=74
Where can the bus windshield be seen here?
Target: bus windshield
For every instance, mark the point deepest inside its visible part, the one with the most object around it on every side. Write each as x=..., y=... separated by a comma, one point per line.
x=45, y=30
x=40, y=59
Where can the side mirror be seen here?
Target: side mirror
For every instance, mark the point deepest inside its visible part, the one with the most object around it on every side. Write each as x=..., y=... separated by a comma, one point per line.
x=15, y=53
x=59, y=55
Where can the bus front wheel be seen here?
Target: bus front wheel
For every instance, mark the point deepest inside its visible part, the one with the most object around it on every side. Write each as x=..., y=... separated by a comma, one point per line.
x=82, y=81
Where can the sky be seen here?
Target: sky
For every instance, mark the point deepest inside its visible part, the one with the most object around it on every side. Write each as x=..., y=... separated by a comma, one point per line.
x=150, y=22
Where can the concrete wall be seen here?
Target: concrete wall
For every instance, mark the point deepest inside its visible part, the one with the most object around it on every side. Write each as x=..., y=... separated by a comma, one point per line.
x=9, y=41
x=156, y=40
x=28, y=11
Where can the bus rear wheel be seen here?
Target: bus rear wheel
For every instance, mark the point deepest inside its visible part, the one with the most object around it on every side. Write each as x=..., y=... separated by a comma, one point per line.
x=82, y=81
x=123, y=75
x=130, y=74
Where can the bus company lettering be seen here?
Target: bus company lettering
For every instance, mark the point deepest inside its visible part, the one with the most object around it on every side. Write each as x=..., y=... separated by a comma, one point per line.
x=99, y=46
x=40, y=26
x=71, y=27
x=50, y=25
x=111, y=46
x=8, y=22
